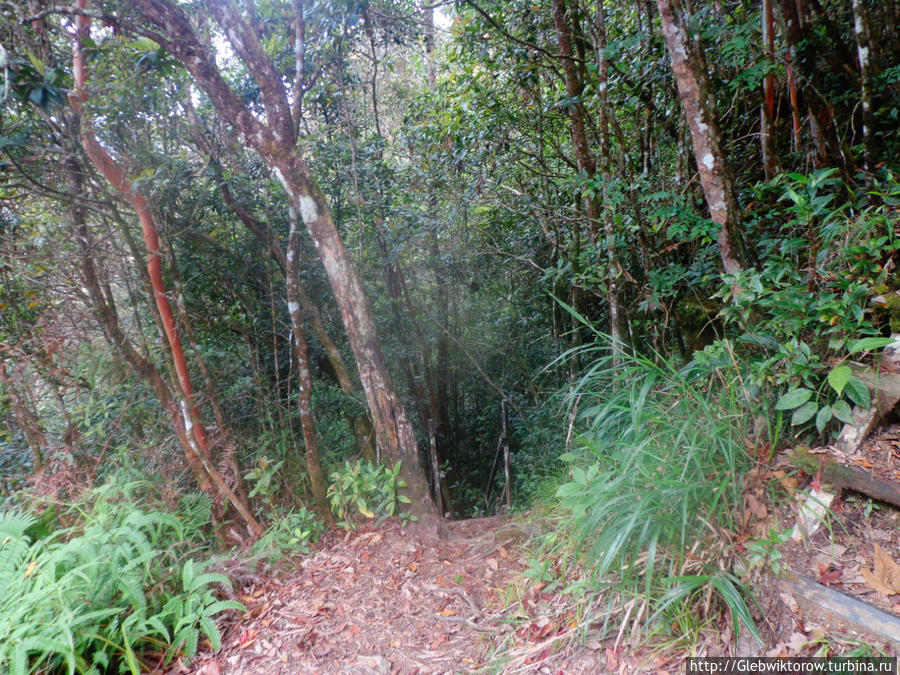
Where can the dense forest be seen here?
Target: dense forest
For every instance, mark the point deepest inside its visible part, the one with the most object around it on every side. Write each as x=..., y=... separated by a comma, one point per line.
x=271, y=267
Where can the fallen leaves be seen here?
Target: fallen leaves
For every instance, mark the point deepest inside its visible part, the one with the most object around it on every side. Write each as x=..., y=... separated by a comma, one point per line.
x=829, y=574
x=885, y=576
x=247, y=638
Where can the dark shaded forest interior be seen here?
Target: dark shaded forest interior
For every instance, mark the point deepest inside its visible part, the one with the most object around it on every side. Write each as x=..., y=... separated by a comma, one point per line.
x=292, y=288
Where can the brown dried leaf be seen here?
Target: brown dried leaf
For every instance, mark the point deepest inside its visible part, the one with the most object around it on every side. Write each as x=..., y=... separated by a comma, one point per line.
x=829, y=574
x=210, y=668
x=885, y=577
x=755, y=506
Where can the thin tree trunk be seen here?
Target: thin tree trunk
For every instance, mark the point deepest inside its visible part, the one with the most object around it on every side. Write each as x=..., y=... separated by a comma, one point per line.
x=26, y=420
x=798, y=30
x=606, y=113
x=317, y=479
x=767, y=108
x=864, y=52
x=195, y=433
x=696, y=99
x=274, y=140
x=440, y=432
x=584, y=162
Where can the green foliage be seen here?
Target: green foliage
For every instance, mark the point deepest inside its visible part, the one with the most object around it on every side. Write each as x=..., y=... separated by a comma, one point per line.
x=818, y=269
x=766, y=551
x=656, y=479
x=97, y=596
x=366, y=489
x=291, y=533
x=261, y=476
x=807, y=404
x=810, y=302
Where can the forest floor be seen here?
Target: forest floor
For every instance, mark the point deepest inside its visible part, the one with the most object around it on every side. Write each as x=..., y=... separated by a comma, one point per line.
x=378, y=600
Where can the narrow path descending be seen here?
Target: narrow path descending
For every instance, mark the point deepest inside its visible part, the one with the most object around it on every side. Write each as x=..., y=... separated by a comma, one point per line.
x=377, y=601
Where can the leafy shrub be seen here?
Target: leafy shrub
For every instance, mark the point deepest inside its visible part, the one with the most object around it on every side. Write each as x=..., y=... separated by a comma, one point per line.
x=656, y=479
x=813, y=299
x=291, y=533
x=103, y=594
x=370, y=490
x=820, y=264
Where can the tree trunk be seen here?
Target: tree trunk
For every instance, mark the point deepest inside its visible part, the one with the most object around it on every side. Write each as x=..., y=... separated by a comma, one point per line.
x=767, y=108
x=798, y=32
x=574, y=82
x=864, y=52
x=696, y=100
x=195, y=433
x=274, y=140
x=317, y=479
x=26, y=420
x=359, y=423
x=606, y=114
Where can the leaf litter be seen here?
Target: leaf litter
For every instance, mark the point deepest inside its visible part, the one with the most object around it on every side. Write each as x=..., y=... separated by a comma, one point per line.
x=380, y=601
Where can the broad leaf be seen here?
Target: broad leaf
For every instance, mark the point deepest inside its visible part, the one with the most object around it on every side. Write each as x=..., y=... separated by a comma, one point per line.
x=858, y=392
x=838, y=378
x=822, y=418
x=804, y=413
x=793, y=399
x=868, y=344
x=841, y=410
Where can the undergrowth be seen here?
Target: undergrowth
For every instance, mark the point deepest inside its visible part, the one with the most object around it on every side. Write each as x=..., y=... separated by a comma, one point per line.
x=653, y=495
x=119, y=591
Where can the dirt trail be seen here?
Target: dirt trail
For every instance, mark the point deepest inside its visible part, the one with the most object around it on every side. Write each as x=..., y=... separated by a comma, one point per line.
x=379, y=601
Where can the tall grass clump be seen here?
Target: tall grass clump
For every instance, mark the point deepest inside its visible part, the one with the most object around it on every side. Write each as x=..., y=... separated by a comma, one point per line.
x=656, y=484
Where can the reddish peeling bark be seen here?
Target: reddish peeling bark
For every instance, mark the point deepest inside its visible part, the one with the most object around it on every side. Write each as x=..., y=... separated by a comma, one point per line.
x=194, y=430
x=696, y=101
x=797, y=33
x=274, y=140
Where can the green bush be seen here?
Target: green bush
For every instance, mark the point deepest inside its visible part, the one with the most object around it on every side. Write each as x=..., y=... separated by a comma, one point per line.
x=366, y=489
x=656, y=480
x=104, y=594
x=292, y=532
x=816, y=296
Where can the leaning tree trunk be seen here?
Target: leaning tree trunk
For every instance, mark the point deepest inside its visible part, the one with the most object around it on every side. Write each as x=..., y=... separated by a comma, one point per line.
x=359, y=422
x=696, y=99
x=274, y=139
x=195, y=433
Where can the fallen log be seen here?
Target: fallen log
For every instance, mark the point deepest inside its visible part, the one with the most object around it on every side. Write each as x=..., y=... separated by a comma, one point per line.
x=846, y=476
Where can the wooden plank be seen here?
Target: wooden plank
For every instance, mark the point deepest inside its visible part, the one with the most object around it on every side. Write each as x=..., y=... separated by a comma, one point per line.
x=840, y=608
